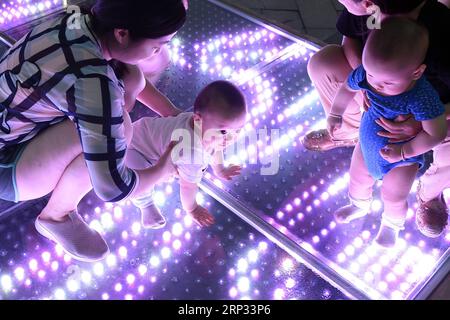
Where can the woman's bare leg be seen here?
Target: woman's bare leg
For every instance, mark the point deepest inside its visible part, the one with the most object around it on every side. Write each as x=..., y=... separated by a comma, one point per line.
x=53, y=162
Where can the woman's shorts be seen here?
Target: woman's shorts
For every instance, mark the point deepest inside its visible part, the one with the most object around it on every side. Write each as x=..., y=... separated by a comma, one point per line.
x=9, y=156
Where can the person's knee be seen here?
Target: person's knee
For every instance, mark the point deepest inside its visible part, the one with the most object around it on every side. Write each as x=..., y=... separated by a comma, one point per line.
x=326, y=60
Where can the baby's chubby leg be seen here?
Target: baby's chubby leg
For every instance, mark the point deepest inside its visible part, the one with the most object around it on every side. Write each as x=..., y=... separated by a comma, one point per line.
x=395, y=190
x=151, y=217
x=360, y=190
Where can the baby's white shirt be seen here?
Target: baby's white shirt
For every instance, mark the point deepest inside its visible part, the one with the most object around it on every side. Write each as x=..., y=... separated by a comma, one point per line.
x=152, y=136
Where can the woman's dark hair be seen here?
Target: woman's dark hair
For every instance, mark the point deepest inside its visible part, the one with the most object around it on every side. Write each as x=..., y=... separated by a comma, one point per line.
x=144, y=19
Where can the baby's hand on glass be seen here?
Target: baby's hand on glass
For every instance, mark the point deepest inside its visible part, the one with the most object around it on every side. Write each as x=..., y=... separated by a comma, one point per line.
x=227, y=173
x=334, y=122
x=202, y=216
x=392, y=153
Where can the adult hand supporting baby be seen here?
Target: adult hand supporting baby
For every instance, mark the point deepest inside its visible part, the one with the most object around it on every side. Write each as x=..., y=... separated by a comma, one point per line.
x=392, y=153
x=403, y=128
x=334, y=123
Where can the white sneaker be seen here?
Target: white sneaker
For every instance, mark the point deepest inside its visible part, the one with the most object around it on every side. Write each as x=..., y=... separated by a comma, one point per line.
x=75, y=237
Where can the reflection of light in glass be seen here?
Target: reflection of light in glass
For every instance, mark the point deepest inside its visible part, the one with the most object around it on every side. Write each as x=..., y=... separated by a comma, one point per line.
x=242, y=265
x=287, y=265
x=73, y=285
x=19, y=273
x=290, y=283
x=99, y=269
x=86, y=277
x=6, y=283
x=154, y=261
x=233, y=292
x=165, y=253
x=252, y=255
x=278, y=294
x=243, y=284
x=60, y=294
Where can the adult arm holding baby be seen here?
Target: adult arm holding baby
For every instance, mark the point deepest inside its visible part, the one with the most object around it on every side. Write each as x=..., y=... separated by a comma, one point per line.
x=434, y=132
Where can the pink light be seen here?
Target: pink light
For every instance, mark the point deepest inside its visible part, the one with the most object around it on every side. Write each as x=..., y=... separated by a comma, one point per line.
x=176, y=244
x=55, y=265
x=166, y=236
x=280, y=215
x=19, y=273
x=123, y=252
x=365, y=234
x=278, y=294
x=233, y=292
x=33, y=265
x=46, y=257
x=130, y=279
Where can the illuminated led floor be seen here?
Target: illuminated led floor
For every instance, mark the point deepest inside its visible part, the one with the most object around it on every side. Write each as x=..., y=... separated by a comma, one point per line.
x=227, y=261
x=296, y=202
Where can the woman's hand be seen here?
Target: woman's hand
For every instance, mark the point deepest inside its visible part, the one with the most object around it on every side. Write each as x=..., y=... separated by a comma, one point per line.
x=334, y=122
x=402, y=129
x=392, y=153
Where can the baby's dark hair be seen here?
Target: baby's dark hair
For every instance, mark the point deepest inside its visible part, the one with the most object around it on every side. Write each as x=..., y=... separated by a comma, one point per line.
x=221, y=97
x=400, y=40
